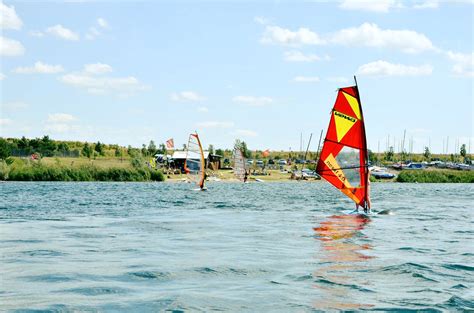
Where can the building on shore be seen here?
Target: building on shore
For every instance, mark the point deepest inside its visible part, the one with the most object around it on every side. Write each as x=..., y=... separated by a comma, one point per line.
x=213, y=161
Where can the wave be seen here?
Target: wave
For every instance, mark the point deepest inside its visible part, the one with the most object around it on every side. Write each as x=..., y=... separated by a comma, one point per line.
x=457, y=267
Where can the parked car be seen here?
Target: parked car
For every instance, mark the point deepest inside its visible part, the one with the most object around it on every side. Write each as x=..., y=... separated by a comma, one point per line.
x=382, y=175
x=310, y=173
x=414, y=166
x=463, y=167
x=282, y=162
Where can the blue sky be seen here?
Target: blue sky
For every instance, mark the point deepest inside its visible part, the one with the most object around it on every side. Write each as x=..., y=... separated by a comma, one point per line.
x=131, y=72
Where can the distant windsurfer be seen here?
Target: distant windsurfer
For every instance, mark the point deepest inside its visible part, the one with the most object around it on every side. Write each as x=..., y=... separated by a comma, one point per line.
x=201, y=185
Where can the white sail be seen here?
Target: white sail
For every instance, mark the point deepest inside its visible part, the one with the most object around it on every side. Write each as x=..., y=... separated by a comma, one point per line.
x=239, y=164
x=195, y=164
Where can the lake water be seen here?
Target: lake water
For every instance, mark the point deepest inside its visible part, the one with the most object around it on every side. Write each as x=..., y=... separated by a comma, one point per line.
x=256, y=247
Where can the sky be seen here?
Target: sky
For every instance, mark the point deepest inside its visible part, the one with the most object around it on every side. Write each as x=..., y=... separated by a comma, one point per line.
x=267, y=72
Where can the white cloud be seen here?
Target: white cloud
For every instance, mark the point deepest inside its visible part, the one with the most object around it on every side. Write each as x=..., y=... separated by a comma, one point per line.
x=203, y=109
x=60, y=123
x=8, y=17
x=306, y=79
x=383, y=68
x=283, y=36
x=97, y=68
x=40, y=68
x=341, y=80
x=62, y=32
x=379, y=6
x=60, y=118
x=10, y=47
x=60, y=128
x=298, y=56
x=253, y=101
x=92, y=33
x=187, y=96
x=103, y=85
x=428, y=4
x=102, y=22
x=2, y=76
x=463, y=63
x=367, y=34
x=5, y=121
x=36, y=33
x=245, y=133
x=370, y=35
x=215, y=124
x=261, y=20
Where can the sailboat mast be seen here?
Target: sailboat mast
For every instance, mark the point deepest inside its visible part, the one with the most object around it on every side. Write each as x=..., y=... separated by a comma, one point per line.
x=364, y=144
x=319, y=145
x=306, y=153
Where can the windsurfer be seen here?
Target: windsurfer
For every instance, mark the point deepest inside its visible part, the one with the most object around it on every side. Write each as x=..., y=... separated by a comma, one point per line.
x=368, y=193
x=367, y=202
x=201, y=186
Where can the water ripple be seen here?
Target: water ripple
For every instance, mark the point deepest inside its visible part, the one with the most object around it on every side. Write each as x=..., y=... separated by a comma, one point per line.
x=276, y=247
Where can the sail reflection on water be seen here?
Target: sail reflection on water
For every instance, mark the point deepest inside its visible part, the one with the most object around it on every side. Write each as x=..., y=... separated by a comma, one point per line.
x=341, y=255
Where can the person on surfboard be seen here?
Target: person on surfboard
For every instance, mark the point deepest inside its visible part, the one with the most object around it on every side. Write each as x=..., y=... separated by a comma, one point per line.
x=201, y=186
x=367, y=205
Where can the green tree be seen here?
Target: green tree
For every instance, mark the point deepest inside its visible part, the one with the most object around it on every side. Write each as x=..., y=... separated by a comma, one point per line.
x=144, y=150
x=462, y=151
x=389, y=154
x=118, y=151
x=23, y=143
x=63, y=147
x=211, y=149
x=152, y=148
x=372, y=157
x=86, y=150
x=161, y=149
x=220, y=152
x=243, y=147
x=427, y=154
x=99, y=148
x=5, y=150
x=47, y=146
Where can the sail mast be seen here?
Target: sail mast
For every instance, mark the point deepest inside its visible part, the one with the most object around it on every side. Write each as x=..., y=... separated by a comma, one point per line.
x=364, y=145
x=203, y=164
x=194, y=164
x=306, y=153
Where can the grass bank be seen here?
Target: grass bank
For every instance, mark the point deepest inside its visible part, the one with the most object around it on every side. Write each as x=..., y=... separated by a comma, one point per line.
x=435, y=176
x=25, y=170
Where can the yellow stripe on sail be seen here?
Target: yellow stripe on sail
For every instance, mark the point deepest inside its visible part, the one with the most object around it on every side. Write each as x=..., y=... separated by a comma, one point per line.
x=343, y=124
x=353, y=103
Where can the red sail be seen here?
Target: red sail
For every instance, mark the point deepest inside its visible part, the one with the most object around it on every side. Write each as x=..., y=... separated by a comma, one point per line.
x=343, y=158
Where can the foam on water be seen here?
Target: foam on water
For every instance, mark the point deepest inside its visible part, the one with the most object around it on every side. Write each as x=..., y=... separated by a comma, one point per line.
x=237, y=247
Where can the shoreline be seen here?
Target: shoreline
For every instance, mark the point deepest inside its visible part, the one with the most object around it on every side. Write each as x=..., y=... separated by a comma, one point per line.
x=55, y=169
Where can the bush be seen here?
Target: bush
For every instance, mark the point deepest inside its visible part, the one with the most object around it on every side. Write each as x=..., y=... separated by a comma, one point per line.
x=4, y=170
x=22, y=170
x=436, y=176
